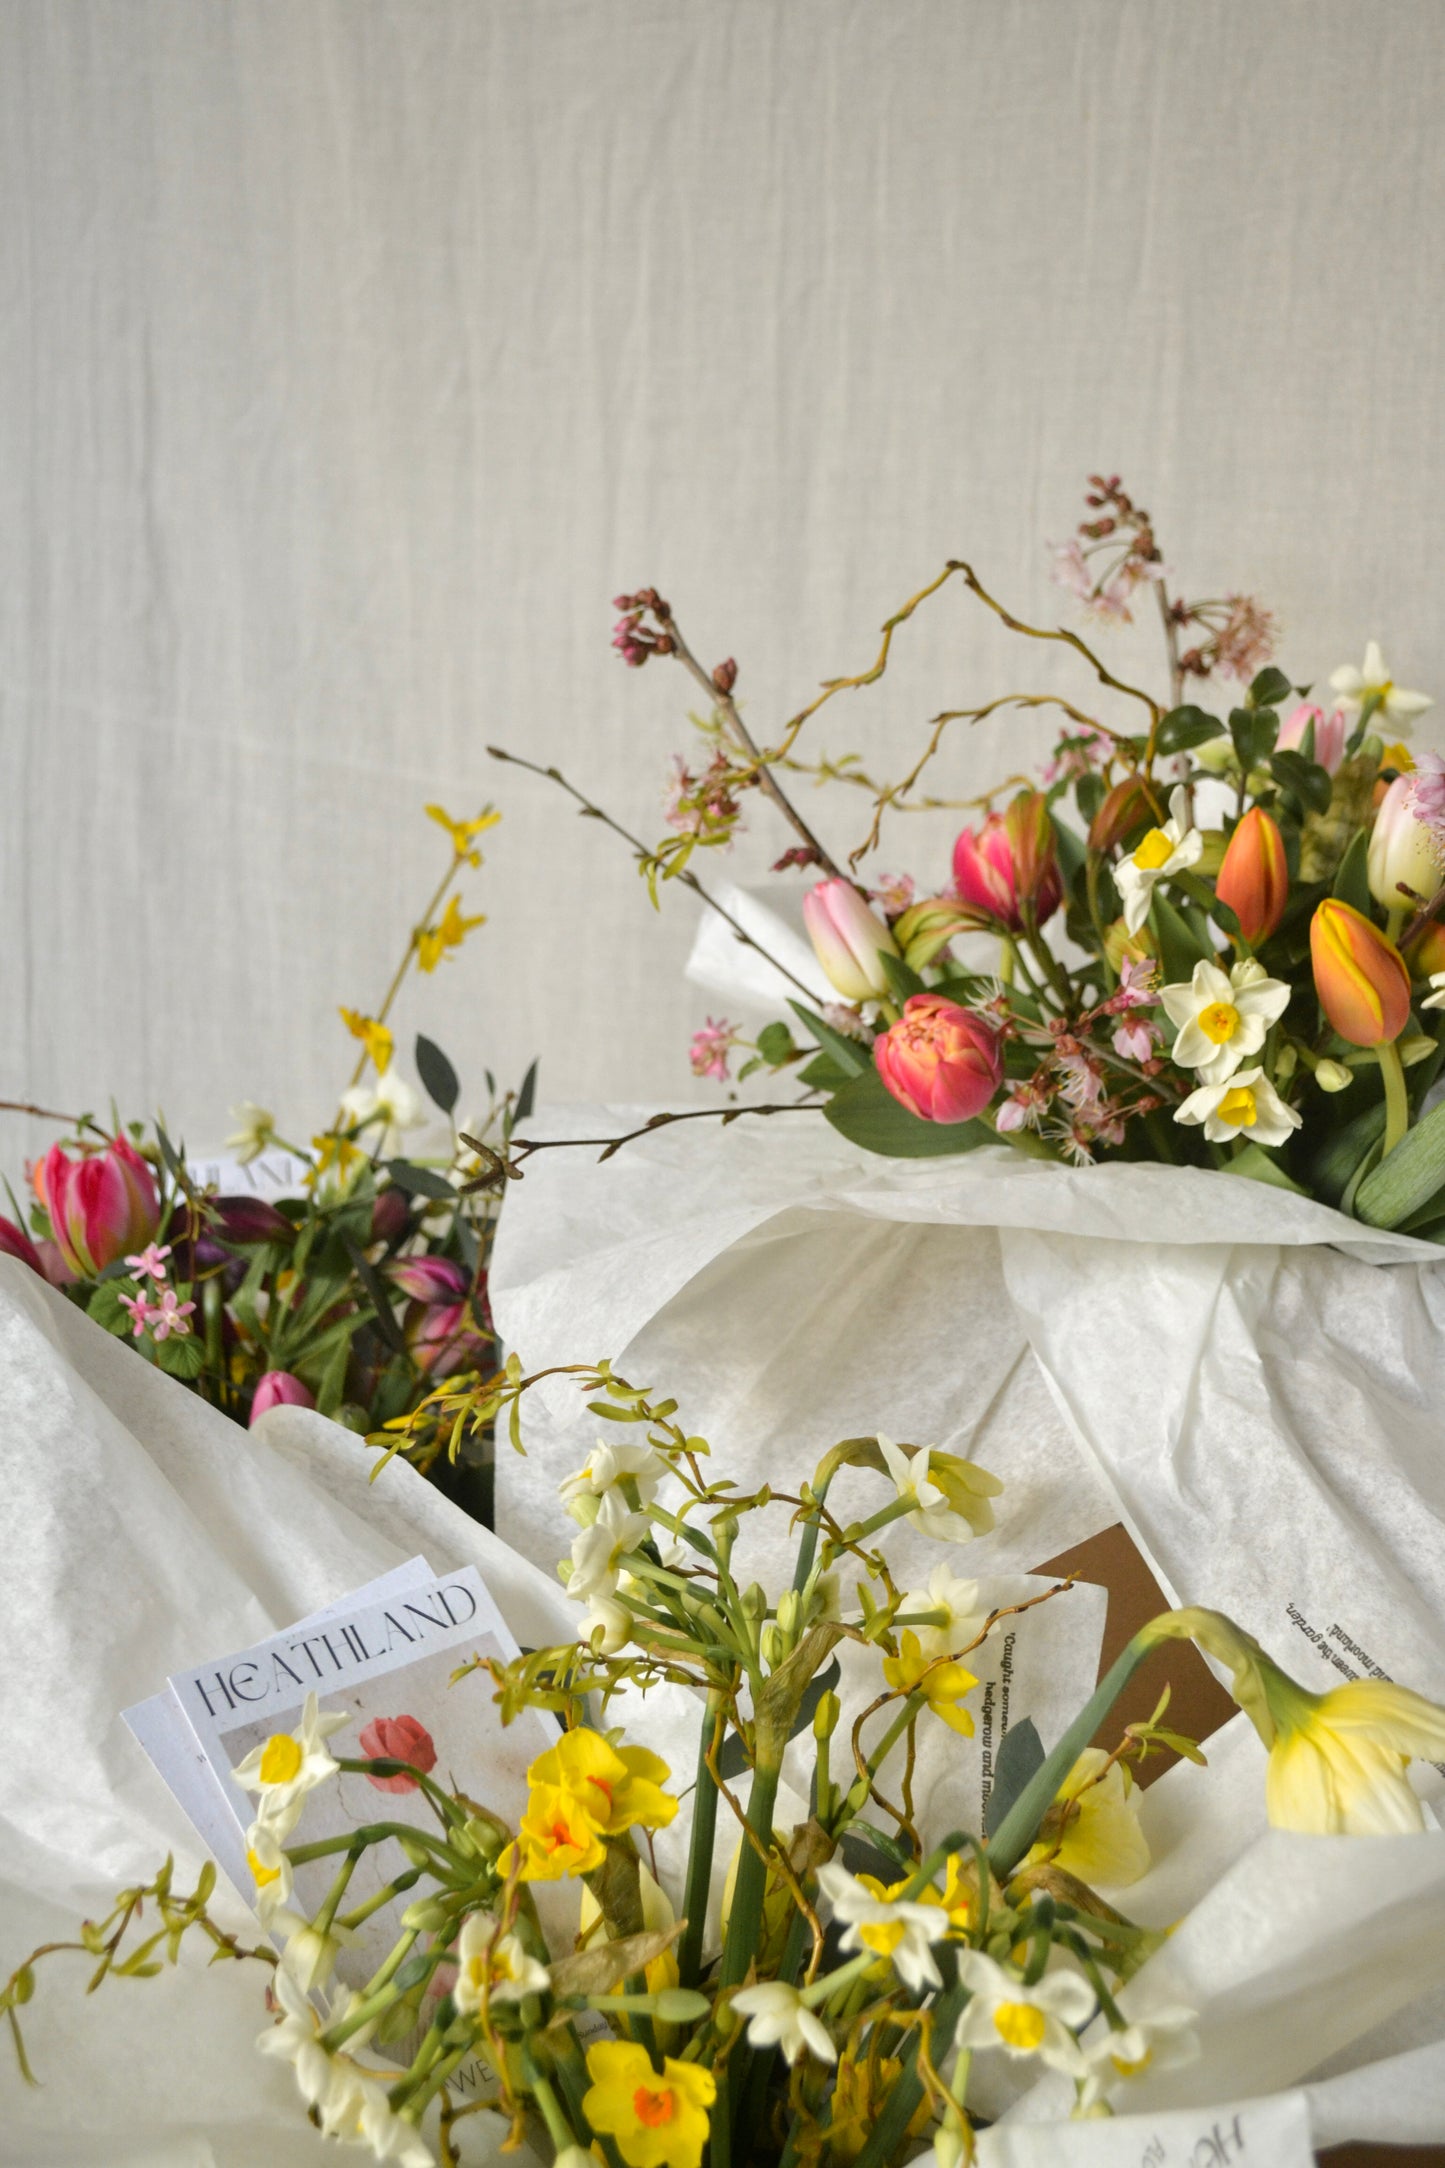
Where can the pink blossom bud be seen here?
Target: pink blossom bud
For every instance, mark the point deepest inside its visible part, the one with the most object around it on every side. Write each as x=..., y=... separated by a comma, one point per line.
x=1330, y=734
x=102, y=1206
x=940, y=1061
x=1010, y=865
x=14, y=1242
x=848, y=939
x=279, y=1389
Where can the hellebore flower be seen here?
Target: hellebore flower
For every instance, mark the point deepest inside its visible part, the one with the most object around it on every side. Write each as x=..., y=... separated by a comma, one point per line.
x=1008, y=870
x=848, y=939
x=1254, y=876
x=1360, y=977
x=102, y=1206
x=940, y=1061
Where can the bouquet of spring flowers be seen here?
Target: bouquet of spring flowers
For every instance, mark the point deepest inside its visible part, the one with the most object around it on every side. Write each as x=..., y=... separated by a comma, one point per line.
x=846, y=1992
x=355, y=1293
x=1216, y=935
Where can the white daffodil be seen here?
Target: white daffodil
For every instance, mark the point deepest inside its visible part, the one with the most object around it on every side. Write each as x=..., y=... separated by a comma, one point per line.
x=949, y=1496
x=1164, y=2040
x=607, y=1466
x=270, y=1869
x=257, y=1128
x=311, y=1952
x=1435, y=999
x=1174, y=848
x=778, y=2017
x=1222, y=1017
x=1244, y=1105
x=290, y=1764
x=495, y=1964
x=381, y=1112
x=367, y=2117
x=613, y=1620
x=965, y=1612
x=1396, y=707
x=296, y=2039
x=1339, y=1762
x=1023, y=2021
x=896, y=1930
x=598, y=1551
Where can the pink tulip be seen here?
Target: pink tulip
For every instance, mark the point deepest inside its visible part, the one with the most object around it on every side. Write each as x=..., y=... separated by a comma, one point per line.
x=279, y=1389
x=1330, y=732
x=941, y=1062
x=102, y=1206
x=251, y=1219
x=430, y=1279
x=14, y=1242
x=849, y=940
x=398, y=1738
x=1010, y=865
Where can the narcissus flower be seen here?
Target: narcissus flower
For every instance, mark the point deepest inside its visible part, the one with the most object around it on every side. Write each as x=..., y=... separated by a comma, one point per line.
x=1092, y=1830
x=901, y=1932
x=848, y=939
x=598, y=1551
x=607, y=1467
x=941, y=1682
x=1253, y=878
x=1394, y=706
x=493, y=1965
x=256, y=1126
x=1339, y=1759
x=778, y=2017
x=1222, y=1017
x=381, y=1113
x=964, y=1611
x=950, y=1497
x=657, y=2121
x=618, y=1787
x=1243, y=1105
x=1024, y=2021
x=1163, y=852
x=1007, y=871
x=555, y=1837
x=942, y=1062
x=1360, y=977
x=290, y=1764
x=1164, y=2040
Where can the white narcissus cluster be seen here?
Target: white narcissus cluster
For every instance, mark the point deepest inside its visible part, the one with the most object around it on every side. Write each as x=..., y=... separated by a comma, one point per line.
x=1221, y=1017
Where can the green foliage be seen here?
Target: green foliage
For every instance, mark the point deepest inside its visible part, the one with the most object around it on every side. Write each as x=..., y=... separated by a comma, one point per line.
x=1410, y=1178
x=439, y=1078
x=867, y=1114
x=852, y=1058
x=1183, y=728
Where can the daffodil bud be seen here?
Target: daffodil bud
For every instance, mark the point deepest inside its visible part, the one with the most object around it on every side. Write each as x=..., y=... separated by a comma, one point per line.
x=1253, y=878
x=771, y=1646
x=789, y=1607
x=1361, y=980
x=427, y=1916
x=826, y=1715
x=754, y=1601
x=1333, y=1076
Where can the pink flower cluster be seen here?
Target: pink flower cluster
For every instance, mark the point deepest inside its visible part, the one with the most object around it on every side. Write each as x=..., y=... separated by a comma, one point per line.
x=157, y=1309
x=710, y=1048
x=702, y=805
x=634, y=641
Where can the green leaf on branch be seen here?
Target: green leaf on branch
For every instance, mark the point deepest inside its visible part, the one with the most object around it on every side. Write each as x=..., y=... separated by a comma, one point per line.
x=439, y=1078
x=420, y=1181
x=867, y=1114
x=184, y=1359
x=104, y=1305
x=775, y=1045
x=1305, y=779
x=526, y=1097
x=1183, y=728
x=1254, y=731
x=848, y=1054
x=1018, y=1758
x=1268, y=688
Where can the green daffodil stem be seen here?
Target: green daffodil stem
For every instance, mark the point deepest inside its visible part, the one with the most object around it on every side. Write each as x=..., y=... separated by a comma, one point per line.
x=1397, y=1103
x=559, y=2130
x=745, y=1920
x=384, y=1896
x=700, y=1847
x=888, y=2132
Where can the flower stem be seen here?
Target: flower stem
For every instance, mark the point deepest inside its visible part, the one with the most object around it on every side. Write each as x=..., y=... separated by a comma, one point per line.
x=700, y=1850
x=1397, y=1104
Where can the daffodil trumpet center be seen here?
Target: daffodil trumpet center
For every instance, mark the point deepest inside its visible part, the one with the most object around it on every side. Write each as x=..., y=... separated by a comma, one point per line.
x=1238, y=1107
x=1155, y=850
x=1219, y=1022
x=1019, y=2024
x=281, y=1759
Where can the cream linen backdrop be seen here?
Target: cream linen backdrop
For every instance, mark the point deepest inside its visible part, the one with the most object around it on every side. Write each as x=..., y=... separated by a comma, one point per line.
x=353, y=353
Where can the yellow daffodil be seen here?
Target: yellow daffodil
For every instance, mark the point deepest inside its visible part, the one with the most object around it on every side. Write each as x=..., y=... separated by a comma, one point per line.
x=554, y=1838
x=451, y=929
x=374, y=1037
x=658, y=2121
x=1339, y=1759
x=1092, y=1830
x=615, y=1787
x=462, y=833
x=942, y=1684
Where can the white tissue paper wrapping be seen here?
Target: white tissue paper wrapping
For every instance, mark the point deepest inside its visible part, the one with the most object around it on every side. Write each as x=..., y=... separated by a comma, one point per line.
x=1248, y=1380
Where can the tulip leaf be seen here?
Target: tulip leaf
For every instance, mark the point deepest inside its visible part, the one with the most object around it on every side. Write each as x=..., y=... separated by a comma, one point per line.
x=1223, y=915
x=420, y=1181
x=867, y=1114
x=1262, y=1166
x=1020, y=1757
x=1185, y=727
x=903, y=980
x=1352, y=881
x=1180, y=948
x=1305, y=779
x=439, y=1078
x=172, y=1158
x=1406, y=1178
x=823, y=1074
x=848, y=1054
x=1341, y=1156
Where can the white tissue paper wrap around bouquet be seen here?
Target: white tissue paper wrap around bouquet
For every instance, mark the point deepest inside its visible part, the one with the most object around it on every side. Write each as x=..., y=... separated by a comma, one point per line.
x=1251, y=1382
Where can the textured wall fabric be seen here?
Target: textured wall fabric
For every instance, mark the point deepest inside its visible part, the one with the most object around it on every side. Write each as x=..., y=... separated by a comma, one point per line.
x=354, y=352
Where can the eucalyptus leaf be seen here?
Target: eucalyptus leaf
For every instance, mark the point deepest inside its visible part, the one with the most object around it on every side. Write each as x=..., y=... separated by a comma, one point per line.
x=439, y=1078
x=1018, y=1758
x=420, y=1181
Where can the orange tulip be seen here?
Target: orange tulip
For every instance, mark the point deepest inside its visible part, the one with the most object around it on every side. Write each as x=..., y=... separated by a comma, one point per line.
x=1254, y=876
x=1360, y=977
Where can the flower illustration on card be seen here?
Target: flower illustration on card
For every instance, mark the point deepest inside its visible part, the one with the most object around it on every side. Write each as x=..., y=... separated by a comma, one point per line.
x=402, y=1739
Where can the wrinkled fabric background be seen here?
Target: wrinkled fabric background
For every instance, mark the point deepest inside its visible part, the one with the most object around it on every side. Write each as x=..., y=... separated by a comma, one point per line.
x=353, y=357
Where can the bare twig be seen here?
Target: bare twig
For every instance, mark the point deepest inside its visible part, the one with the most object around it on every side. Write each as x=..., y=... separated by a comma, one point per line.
x=508, y=1168
x=687, y=877
x=44, y=1114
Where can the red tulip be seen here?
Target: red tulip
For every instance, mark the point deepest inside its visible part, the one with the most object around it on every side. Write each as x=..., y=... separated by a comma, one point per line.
x=102, y=1206
x=14, y=1242
x=398, y=1738
x=1360, y=977
x=1010, y=866
x=1253, y=878
x=940, y=1061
